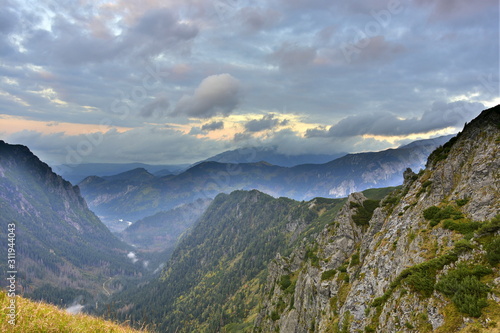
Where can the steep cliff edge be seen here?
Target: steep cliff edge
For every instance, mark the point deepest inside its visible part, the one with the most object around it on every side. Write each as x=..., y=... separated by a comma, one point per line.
x=425, y=260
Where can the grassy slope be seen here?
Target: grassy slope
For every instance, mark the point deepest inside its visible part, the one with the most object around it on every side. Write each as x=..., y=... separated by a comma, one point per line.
x=40, y=317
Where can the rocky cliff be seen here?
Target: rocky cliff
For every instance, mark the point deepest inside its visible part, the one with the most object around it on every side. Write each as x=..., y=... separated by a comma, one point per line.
x=423, y=260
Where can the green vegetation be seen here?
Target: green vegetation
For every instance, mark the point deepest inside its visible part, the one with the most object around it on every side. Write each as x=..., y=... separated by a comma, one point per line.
x=441, y=153
x=493, y=251
x=364, y=212
x=311, y=254
x=380, y=193
x=217, y=273
x=422, y=277
x=60, y=296
x=463, y=227
x=490, y=227
x=355, y=259
x=462, y=202
x=62, y=242
x=435, y=214
x=35, y=317
x=463, y=286
x=329, y=274
x=285, y=282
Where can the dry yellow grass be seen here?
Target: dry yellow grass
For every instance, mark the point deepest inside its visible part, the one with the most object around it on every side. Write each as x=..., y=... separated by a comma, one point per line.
x=45, y=318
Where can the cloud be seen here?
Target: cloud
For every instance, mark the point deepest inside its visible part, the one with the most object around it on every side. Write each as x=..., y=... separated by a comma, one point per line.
x=370, y=49
x=446, y=9
x=157, y=107
x=213, y=126
x=256, y=19
x=144, y=144
x=242, y=137
x=293, y=56
x=133, y=257
x=266, y=122
x=216, y=95
x=440, y=116
x=156, y=32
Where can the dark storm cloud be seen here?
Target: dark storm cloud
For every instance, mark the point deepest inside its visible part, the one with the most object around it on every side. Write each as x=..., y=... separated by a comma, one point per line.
x=216, y=95
x=440, y=116
x=213, y=126
x=265, y=123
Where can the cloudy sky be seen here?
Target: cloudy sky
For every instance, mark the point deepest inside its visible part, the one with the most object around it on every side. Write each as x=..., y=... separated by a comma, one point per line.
x=177, y=81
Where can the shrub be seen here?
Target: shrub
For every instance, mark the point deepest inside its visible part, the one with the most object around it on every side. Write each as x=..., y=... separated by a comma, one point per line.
x=465, y=289
x=275, y=316
x=285, y=282
x=464, y=228
x=490, y=226
x=462, y=202
x=364, y=212
x=327, y=275
x=427, y=183
x=435, y=214
x=431, y=213
x=355, y=259
x=422, y=281
x=311, y=254
x=343, y=268
x=493, y=252
x=463, y=245
x=424, y=273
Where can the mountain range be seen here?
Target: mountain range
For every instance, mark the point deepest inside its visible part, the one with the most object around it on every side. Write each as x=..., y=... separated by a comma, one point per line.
x=423, y=257
x=420, y=257
x=137, y=193
x=75, y=173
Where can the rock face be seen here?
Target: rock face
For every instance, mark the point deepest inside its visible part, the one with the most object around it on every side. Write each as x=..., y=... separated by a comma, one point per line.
x=387, y=274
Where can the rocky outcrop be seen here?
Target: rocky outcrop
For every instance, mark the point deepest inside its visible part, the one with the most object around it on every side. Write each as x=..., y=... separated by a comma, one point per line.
x=381, y=276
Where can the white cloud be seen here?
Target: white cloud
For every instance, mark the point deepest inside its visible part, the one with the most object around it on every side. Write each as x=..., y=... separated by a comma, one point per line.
x=133, y=257
x=216, y=95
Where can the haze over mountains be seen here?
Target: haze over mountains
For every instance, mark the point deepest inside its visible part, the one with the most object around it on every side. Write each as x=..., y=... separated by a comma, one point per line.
x=137, y=193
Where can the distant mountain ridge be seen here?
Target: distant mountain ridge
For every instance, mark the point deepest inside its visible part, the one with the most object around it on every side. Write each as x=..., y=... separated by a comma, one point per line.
x=77, y=173
x=271, y=156
x=133, y=199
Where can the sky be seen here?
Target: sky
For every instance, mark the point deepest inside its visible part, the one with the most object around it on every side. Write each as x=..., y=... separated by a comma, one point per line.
x=178, y=81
